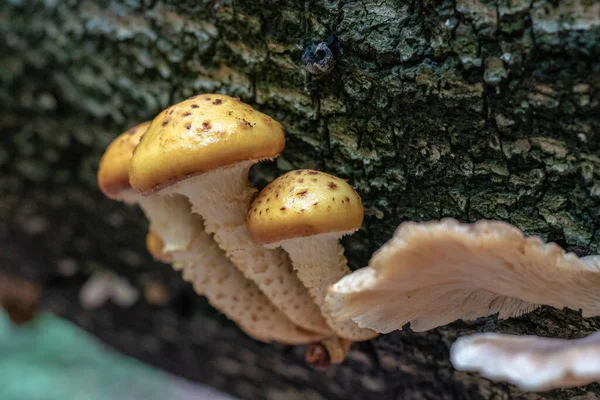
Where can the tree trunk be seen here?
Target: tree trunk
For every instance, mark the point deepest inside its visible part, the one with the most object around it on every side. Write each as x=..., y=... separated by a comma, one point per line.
x=466, y=109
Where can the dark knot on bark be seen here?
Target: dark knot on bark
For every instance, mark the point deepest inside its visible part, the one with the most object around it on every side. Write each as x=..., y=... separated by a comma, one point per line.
x=319, y=58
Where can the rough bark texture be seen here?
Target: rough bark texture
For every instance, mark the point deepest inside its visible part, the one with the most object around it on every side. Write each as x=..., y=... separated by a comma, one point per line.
x=460, y=109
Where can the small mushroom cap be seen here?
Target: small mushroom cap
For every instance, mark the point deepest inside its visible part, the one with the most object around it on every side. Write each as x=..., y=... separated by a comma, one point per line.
x=304, y=203
x=531, y=362
x=200, y=134
x=155, y=245
x=433, y=273
x=113, y=171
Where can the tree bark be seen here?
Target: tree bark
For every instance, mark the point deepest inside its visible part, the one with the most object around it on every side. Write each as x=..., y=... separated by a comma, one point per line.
x=466, y=109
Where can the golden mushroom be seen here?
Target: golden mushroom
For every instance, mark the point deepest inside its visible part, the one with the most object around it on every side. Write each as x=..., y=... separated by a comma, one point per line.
x=306, y=212
x=203, y=263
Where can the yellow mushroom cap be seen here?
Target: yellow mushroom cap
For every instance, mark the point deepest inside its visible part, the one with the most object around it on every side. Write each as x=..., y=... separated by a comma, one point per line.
x=200, y=134
x=113, y=171
x=304, y=203
x=155, y=246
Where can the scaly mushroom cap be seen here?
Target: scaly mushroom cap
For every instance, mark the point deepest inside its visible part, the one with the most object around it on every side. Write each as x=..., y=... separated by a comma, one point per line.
x=202, y=133
x=532, y=363
x=155, y=245
x=113, y=171
x=433, y=273
x=304, y=203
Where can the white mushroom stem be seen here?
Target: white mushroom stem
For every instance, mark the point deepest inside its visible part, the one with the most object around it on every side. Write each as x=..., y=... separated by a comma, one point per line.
x=530, y=362
x=319, y=262
x=213, y=275
x=169, y=218
x=222, y=198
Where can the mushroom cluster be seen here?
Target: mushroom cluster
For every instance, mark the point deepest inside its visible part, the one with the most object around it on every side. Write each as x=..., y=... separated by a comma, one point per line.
x=188, y=171
x=272, y=261
x=306, y=212
x=201, y=150
x=177, y=236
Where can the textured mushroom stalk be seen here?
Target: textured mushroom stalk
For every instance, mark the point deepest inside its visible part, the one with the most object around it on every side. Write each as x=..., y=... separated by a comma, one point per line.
x=168, y=216
x=213, y=275
x=308, y=256
x=319, y=262
x=306, y=212
x=222, y=197
x=337, y=348
x=532, y=363
x=433, y=273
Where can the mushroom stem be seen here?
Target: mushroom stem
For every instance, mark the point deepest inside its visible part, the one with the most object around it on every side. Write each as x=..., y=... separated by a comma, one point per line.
x=169, y=218
x=319, y=262
x=222, y=198
x=214, y=276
